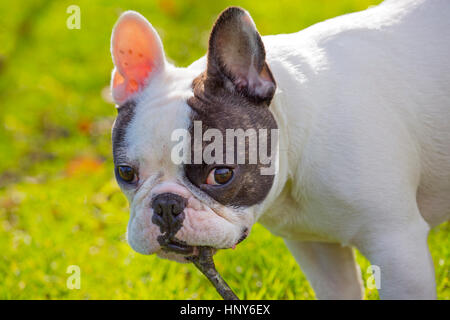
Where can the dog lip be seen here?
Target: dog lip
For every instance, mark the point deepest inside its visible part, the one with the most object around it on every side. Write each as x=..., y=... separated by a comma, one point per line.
x=242, y=238
x=173, y=245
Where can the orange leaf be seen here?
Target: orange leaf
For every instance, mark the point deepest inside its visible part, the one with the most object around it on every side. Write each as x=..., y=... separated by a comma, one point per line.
x=84, y=126
x=83, y=165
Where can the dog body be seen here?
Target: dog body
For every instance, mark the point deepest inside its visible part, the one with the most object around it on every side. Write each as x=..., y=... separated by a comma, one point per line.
x=365, y=118
x=362, y=108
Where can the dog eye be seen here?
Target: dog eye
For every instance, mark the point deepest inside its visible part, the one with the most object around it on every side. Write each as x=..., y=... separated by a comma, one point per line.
x=218, y=176
x=126, y=173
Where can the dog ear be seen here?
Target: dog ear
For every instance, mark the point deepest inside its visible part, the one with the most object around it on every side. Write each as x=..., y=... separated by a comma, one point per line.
x=137, y=53
x=236, y=56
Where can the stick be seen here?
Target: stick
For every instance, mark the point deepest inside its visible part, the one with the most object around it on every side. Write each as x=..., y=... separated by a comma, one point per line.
x=205, y=263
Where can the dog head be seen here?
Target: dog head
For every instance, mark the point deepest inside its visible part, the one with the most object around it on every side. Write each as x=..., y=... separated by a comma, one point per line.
x=195, y=149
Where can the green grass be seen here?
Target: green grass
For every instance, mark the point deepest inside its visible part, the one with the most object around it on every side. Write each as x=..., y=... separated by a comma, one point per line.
x=59, y=203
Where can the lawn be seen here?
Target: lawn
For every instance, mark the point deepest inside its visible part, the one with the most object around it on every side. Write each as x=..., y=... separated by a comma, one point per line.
x=59, y=203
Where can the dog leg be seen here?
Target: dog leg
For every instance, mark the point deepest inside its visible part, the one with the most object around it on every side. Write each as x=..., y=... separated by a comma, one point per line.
x=406, y=267
x=330, y=268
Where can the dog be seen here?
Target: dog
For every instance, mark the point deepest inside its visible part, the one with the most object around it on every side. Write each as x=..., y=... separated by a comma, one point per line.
x=354, y=115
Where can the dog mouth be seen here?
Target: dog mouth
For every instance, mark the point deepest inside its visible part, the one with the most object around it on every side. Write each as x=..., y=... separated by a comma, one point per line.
x=176, y=246
x=171, y=244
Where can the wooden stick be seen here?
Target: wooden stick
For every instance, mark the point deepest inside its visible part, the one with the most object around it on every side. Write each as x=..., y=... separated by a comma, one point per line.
x=205, y=263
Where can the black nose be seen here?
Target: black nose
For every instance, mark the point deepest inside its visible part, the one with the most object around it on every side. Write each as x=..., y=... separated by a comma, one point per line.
x=167, y=211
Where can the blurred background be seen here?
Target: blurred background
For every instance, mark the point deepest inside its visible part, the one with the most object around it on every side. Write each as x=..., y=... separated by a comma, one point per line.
x=59, y=203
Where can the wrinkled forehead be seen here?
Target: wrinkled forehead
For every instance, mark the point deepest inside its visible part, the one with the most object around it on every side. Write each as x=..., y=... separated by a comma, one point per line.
x=143, y=128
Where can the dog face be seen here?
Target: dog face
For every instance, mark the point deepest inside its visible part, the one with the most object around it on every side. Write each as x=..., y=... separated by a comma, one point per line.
x=194, y=148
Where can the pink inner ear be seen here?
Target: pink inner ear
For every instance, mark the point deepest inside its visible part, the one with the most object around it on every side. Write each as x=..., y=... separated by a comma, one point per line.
x=137, y=51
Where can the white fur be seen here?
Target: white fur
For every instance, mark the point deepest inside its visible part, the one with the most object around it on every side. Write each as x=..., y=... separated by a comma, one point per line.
x=363, y=107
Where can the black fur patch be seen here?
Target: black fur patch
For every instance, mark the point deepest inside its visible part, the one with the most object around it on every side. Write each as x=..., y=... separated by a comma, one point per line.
x=225, y=99
x=216, y=108
x=123, y=119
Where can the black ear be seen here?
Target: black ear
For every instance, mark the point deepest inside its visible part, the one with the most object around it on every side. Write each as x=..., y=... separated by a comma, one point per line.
x=236, y=56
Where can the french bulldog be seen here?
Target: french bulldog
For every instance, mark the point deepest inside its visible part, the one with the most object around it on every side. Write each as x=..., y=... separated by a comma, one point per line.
x=354, y=115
